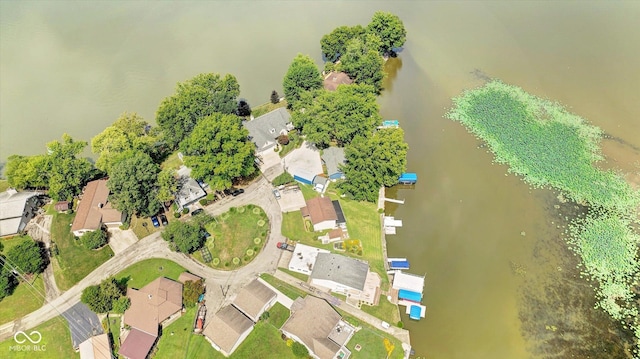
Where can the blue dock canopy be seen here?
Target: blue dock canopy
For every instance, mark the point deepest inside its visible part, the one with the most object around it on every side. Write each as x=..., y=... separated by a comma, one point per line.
x=415, y=312
x=408, y=178
x=409, y=295
x=390, y=123
x=399, y=265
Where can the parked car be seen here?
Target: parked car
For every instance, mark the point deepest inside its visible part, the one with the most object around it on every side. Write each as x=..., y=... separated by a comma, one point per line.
x=276, y=194
x=197, y=212
x=163, y=220
x=205, y=234
x=155, y=221
x=284, y=246
x=237, y=191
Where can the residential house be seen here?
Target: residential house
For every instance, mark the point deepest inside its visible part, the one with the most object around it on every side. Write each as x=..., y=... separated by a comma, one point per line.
x=334, y=79
x=152, y=305
x=16, y=210
x=339, y=273
x=227, y=329
x=96, y=347
x=304, y=258
x=319, y=327
x=95, y=210
x=264, y=130
x=254, y=299
x=189, y=190
x=334, y=235
x=324, y=213
x=333, y=157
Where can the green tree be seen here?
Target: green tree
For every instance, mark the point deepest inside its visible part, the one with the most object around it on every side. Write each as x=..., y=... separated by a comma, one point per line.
x=28, y=256
x=244, y=109
x=338, y=116
x=7, y=281
x=97, y=301
x=121, y=304
x=302, y=75
x=195, y=99
x=218, y=151
x=94, y=239
x=129, y=132
x=374, y=162
x=363, y=63
x=67, y=173
x=167, y=185
x=390, y=29
x=28, y=171
x=183, y=237
x=275, y=98
x=191, y=291
x=299, y=350
x=334, y=44
x=133, y=185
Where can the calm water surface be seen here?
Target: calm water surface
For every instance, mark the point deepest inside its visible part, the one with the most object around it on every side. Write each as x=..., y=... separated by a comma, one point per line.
x=500, y=283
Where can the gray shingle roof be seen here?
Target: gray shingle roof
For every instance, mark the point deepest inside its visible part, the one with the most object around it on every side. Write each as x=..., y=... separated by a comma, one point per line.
x=265, y=129
x=227, y=326
x=252, y=298
x=340, y=269
x=332, y=157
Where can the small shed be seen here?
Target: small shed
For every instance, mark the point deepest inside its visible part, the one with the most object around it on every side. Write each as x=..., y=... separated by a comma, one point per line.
x=62, y=206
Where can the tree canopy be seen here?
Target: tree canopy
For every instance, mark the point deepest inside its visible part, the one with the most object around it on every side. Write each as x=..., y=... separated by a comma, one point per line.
x=195, y=99
x=390, y=29
x=183, y=237
x=133, y=185
x=28, y=171
x=334, y=44
x=338, y=116
x=244, y=109
x=7, y=281
x=374, y=162
x=191, y=291
x=127, y=134
x=302, y=75
x=27, y=256
x=363, y=63
x=94, y=239
x=218, y=151
x=102, y=298
x=167, y=185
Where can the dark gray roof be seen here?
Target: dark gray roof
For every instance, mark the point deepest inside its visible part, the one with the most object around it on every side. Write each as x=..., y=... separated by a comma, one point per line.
x=340, y=269
x=265, y=129
x=332, y=157
x=339, y=213
x=83, y=323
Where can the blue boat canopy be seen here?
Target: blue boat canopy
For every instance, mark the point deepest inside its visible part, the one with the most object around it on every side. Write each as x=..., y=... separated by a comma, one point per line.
x=415, y=312
x=399, y=264
x=408, y=177
x=409, y=295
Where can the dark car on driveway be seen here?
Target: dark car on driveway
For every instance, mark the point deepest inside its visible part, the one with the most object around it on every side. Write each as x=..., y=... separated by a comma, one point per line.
x=286, y=247
x=163, y=220
x=197, y=212
x=155, y=221
x=237, y=191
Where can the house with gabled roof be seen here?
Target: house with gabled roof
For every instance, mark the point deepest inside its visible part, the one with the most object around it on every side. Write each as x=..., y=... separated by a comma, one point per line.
x=264, y=130
x=315, y=324
x=333, y=158
x=96, y=347
x=324, y=213
x=334, y=79
x=152, y=305
x=227, y=329
x=254, y=299
x=16, y=210
x=95, y=209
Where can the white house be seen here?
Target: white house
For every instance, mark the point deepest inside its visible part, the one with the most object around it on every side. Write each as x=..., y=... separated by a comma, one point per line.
x=227, y=329
x=254, y=299
x=341, y=274
x=16, y=210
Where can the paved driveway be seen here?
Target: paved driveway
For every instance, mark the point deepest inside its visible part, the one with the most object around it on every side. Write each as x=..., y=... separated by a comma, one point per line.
x=120, y=240
x=305, y=159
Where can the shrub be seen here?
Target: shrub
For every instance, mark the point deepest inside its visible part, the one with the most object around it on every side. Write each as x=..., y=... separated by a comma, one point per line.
x=236, y=260
x=257, y=240
x=215, y=261
x=176, y=214
x=283, y=140
x=299, y=350
x=249, y=252
x=400, y=324
x=94, y=239
x=185, y=210
x=282, y=179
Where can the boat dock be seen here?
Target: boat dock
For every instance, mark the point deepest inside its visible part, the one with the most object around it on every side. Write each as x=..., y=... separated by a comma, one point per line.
x=408, y=178
x=409, y=289
x=399, y=201
x=398, y=263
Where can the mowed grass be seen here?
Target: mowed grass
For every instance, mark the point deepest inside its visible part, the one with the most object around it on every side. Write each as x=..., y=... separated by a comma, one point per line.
x=24, y=300
x=114, y=331
x=372, y=342
x=4, y=184
x=267, y=107
x=73, y=261
x=278, y=314
x=55, y=343
x=385, y=310
x=178, y=340
x=283, y=287
x=139, y=229
x=172, y=162
x=237, y=236
x=146, y=271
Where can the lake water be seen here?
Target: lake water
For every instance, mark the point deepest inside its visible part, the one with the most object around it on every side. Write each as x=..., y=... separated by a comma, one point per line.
x=500, y=282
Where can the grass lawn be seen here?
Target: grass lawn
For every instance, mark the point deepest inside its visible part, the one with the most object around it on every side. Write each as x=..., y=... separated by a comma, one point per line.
x=173, y=161
x=114, y=332
x=139, y=228
x=237, y=236
x=278, y=314
x=56, y=342
x=385, y=310
x=4, y=184
x=308, y=192
x=263, y=342
x=283, y=287
x=73, y=261
x=23, y=301
x=178, y=340
x=146, y=271
x=295, y=141
x=302, y=277
x=372, y=342
x=267, y=107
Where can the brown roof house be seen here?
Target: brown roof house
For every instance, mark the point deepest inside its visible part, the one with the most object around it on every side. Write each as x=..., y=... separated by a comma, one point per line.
x=227, y=329
x=158, y=302
x=253, y=299
x=95, y=210
x=186, y=277
x=96, y=347
x=334, y=79
x=314, y=323
x=324, y=213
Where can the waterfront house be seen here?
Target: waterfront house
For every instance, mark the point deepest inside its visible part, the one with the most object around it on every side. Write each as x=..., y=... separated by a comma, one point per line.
x=264, y=130
x=189, y=190
x=334, y=79
x=324, y=213
x=333, y=158
x=16, y=210
x=95, y=210
x=347, y=276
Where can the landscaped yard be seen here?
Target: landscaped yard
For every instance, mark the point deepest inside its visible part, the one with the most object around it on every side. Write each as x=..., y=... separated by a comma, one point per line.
x=385, y=310
x=141, y=230
x=237, y=236
x=267, y=107
x=73, y=261
x=372, y=344
x=55, y=343
x=173, y=161
x=146, y=271
x=178, y=340
x=278, y=314
x=23, y=301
